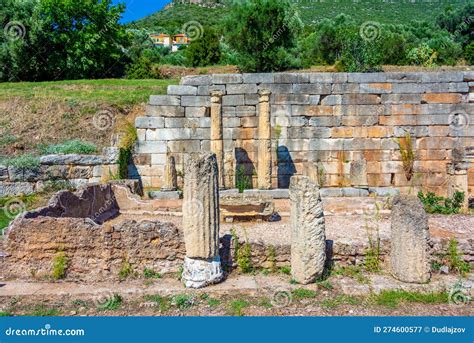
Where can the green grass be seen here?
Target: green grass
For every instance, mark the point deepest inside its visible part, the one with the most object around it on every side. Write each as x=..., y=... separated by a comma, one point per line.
x=111, y=304
x=334, y=302
x=74, y=146
x=109, y=91
x=43, y=311
x=392, y=298
x=163, y=303
x=183, y=301
x=302, y=293
x=4, y=221
x=236, y=307
x=5, y=314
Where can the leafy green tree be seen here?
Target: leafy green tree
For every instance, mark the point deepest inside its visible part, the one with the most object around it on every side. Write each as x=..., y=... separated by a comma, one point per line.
x=205, y=50
x=64, y=39
x=263, y=33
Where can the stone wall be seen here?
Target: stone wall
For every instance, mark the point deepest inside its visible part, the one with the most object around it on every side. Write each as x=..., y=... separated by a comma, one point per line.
x=76, y=169
x=323, y=125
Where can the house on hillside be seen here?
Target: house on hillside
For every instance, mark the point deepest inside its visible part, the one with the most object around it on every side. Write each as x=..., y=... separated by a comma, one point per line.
x=172, y=41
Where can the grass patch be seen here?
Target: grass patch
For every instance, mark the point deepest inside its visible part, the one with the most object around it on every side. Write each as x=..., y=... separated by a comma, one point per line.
x=212, y=302
x=392, y=298
x=285, y=270
x=354, y=272
x=326, y=284
x=163, y=303
x=43, y=311
x=183, y=301
x=334, y=302
x=5, y=314
x=109, y=91
x=111, y=304
x=454, y=258
x=151, y=274
x=236, y=307
x=302, y=293
x=26, y=161
x=74, y=146
x=125, y=271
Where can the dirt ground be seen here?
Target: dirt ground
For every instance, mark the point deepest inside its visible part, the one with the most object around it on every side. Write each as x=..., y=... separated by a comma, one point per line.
x=242, y=295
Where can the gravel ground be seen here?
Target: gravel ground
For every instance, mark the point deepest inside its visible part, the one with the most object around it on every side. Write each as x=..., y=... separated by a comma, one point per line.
x=341, y=228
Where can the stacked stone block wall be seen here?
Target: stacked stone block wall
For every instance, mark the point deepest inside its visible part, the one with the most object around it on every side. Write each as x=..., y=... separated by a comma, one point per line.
x=321, y=124
x=76, y=169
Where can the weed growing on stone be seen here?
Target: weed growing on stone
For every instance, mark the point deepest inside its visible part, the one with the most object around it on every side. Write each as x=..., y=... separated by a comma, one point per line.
x=126, y=270
x=454, y=258
x=151, y=274
x=271, y=258
x=326, y=284
x=372, y=254
x=242, y=253
x=405, y=146
x=79, y=302
x=59, y=266
x=285, y=270
x=183, y=301
x=212, y=302
x=302, y=293
x=392, y=298
x=236, y=307
x=441, y=205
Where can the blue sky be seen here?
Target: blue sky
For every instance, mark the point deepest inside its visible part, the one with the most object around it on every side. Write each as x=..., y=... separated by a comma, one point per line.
x=136, y=9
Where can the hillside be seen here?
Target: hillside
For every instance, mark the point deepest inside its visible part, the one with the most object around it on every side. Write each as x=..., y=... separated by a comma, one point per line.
x=393, y=12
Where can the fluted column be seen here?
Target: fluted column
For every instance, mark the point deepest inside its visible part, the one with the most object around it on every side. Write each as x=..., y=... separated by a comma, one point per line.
x=264, y=169
x=217, y=136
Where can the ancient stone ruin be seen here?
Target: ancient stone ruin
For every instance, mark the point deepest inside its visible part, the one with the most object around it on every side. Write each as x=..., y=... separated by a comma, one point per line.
x=308, y=235
x=409, y=254
x=202, y=265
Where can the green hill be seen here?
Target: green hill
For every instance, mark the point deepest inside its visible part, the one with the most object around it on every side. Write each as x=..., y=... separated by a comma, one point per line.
x=393, y=12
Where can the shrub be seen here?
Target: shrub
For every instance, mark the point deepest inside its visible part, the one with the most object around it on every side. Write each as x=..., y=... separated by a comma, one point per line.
x=302, y=293
x=263, y=33
x=26, y=161
x=455, y=260
x=441, y=205
x=126, y=270
x=237, y=306
x=423, y=55
x=205, y=50
x=408, y=155
x=74, y=146
x=469, y=53
x=59, y=266
x=183, y=301
x=151, y=274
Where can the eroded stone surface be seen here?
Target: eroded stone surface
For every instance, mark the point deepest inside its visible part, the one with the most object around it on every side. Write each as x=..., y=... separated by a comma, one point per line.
x=409, y=255
x=201, y=273
x=308, y=236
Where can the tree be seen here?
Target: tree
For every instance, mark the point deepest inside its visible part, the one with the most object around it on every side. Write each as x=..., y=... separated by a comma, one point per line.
x=263, y=33
x=205, y=50
x=64, y=39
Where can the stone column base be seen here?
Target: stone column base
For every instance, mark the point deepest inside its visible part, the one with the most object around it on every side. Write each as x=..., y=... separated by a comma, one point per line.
x=201, y=273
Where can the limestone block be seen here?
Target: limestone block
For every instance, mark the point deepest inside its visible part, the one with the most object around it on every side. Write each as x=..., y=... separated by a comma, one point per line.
x=452, y=87
x=197, y=101
x=15, y=188
x=291, y=78
x=151, y=147
x=164, y=100
x=408, y=88
x=196, y=111
x=24, y=174
x=258, y=78
x=182, y=90
x=251, y=99
x=233, y=100
x=149, y=122
x=308, y=237
x=358, y=173
x=360, y=99
x=284, y=99
x=331, y=100
x=3, y=173
x=196, y=80
x=277, y=87
x=401, y=98
x=343, y=88
x=87, y=160
x=241, y=88
x=328, y=77
x=443, y=77
x=206, y=90
x=165, y=111
x=226, y=78
x=376, y=88
x=313, y=88
x=245, y=111
x=409, y=254
x=366, y=77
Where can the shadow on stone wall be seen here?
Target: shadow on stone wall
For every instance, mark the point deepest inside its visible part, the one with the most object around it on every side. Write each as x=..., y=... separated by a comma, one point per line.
x=286, y=167
x=244, y=169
